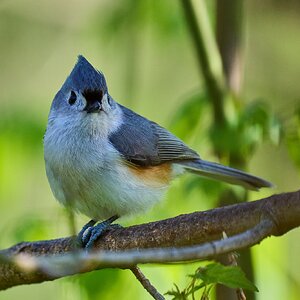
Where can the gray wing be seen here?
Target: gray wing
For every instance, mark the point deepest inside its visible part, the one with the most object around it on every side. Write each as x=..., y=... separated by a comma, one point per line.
x=144, y=143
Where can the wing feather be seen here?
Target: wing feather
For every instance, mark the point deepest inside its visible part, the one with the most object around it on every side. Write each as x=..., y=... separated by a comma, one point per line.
x=145, y=143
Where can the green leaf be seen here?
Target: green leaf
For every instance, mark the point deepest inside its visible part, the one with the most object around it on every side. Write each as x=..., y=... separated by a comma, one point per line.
x=260, y=122
x=196, y=288
x=188, y=115
x=275, y=131
x=230, y=276
x=177, y=294
x=211, y=189
x=292, y=137
x=255, y=123
x=293, y=144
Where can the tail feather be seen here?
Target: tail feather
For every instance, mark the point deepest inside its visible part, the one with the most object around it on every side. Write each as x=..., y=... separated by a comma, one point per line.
x=226, y=174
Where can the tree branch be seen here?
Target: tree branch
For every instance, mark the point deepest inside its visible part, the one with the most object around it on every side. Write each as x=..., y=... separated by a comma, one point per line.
x=246, y=224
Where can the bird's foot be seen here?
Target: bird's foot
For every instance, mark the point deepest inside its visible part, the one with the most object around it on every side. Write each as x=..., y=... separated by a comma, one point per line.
x=82, y=234
x=90, y=233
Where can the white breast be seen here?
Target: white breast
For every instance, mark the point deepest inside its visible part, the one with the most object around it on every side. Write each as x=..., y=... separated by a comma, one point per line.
x=87, y=174
x=100, y=189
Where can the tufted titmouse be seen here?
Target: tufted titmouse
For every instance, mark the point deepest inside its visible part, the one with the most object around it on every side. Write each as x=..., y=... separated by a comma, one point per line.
x=106, y=161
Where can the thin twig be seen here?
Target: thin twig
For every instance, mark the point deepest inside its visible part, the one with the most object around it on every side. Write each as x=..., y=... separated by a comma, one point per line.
x=232, y=258
x=146, y=283
x=240, y=294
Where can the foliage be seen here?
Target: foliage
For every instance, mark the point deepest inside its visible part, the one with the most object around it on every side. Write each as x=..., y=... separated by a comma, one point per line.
x=253, y=124
x=292, y=137
x=249, y=126
x=189, y=114
x=206, y=277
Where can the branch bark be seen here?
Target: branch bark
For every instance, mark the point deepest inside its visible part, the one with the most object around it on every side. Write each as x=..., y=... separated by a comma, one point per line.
x=245, y=224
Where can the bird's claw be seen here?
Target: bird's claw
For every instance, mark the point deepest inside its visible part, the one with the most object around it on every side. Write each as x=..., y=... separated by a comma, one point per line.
x=90, y=233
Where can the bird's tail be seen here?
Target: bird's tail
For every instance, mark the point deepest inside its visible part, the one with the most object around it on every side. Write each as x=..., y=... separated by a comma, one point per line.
x=227, y=174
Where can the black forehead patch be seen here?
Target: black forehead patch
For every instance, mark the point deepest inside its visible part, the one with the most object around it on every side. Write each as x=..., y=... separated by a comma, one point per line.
x=93, y=95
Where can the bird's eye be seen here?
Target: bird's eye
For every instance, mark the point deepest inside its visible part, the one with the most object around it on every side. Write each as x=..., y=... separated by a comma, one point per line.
x=72, y=98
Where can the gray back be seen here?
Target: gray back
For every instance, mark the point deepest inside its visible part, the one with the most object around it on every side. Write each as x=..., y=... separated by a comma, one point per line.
x=145, y=143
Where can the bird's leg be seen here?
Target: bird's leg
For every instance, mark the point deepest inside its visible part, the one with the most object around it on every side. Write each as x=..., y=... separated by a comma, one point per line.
x=85, y=233
x=89, y=233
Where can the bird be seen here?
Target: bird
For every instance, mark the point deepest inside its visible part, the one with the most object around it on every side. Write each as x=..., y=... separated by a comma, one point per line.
x=105, y=161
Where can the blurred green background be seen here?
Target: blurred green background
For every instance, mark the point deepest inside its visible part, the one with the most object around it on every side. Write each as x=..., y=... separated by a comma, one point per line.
x=145, y=50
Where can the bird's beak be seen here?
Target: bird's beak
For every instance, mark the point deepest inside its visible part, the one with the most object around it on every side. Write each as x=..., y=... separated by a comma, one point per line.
x=93, y=107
